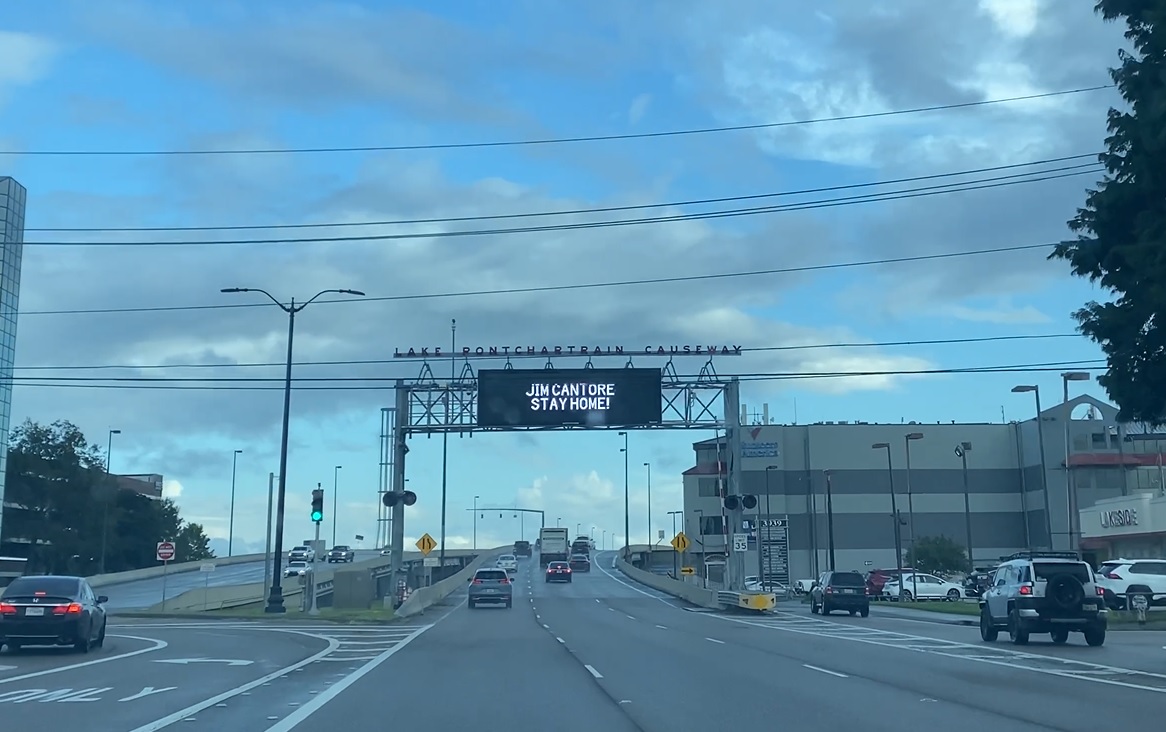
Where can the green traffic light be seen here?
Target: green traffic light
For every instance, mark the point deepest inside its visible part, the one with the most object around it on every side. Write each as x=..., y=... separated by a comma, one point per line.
x=317, y=515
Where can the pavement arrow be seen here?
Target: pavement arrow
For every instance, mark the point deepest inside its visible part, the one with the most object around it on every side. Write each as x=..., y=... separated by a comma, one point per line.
x=184, y=661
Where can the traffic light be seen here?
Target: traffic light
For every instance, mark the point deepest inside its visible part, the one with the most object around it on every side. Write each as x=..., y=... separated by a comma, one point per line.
x=318, y=505
x=390, y=499
x=733, y=503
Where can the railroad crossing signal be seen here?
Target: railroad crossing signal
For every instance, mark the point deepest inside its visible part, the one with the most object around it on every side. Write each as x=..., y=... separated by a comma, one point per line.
x=407, y=498
x=680, y=542
x=425, y=544
x=688, y=570
x=318, y=505
x=733, y=503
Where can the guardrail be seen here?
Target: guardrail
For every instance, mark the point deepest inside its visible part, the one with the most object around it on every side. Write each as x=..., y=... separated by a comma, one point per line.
x=689, y=593
x=133, y=575
x=424, y=598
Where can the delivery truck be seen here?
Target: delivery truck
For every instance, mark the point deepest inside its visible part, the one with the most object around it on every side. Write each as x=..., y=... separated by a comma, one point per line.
x=554, y=545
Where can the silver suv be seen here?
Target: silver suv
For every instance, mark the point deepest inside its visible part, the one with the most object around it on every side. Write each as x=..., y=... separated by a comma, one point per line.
x=1043, y=592
x=491, y=585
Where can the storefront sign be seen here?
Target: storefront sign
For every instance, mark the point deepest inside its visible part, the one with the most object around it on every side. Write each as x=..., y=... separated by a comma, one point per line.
x=1117, y=519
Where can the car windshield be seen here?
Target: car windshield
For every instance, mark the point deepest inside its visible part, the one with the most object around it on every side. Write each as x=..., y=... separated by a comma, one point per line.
x=297, y=564
x=340, y=548
x=847, y=579
x=43, y=587
x=506, y=558
x=299, y=549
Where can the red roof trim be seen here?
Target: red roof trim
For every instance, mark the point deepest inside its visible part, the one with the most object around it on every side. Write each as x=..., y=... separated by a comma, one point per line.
x=1099, y=459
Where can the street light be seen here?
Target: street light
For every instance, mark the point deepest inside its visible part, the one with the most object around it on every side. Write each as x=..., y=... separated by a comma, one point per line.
x=627, y=525
x=231, y=520
x=894, y=513
x=649, y=467
x=275, y=597
x=1044, y=472
x=908, y=439
x=1070, y=487
x=829, y=519
x=335, y=487
x=765, y=582
x=961, y=451
x=110, y=498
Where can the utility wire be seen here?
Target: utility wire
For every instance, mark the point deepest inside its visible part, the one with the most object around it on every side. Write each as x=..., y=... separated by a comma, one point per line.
x=577, y=211
x=918, y=192
x=523, y=356
x=564, y=288
x=387, y=383
x=558, y=140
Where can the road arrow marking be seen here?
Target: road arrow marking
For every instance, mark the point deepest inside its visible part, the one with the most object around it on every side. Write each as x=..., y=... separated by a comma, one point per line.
x=184, y=661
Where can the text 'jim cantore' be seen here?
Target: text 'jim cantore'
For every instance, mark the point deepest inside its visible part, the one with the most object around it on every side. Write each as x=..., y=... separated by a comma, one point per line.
x=518, y=398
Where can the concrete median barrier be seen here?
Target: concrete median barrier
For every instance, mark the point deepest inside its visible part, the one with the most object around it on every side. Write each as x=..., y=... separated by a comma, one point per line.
x=682, y=590
x=133, y=575
x=426, y=597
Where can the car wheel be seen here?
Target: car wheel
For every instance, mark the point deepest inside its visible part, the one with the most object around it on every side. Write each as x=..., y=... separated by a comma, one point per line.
x=101, y=636
x=1016, y=630
x=988, y=631
x=1095, y=635
x=83, y=645
x=953, y=595
x=1059, y=636
x=865, y=612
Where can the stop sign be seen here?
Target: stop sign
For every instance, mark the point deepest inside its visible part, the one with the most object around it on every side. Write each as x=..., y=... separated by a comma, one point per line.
x=165, y=551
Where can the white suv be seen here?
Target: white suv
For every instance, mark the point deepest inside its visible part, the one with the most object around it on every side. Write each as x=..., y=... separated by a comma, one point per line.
x=1043, y=592
x=509, y=562
x=1120, y=578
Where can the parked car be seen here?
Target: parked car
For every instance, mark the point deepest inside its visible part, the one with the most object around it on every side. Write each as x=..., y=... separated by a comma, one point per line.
x=919, y=586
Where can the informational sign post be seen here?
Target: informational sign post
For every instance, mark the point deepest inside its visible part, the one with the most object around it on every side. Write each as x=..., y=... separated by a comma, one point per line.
x=207, y=568
x=624, y=397
x=165, y=551
x=774, y=536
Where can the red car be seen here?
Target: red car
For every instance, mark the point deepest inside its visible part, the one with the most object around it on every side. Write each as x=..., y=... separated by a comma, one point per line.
x=876, y=579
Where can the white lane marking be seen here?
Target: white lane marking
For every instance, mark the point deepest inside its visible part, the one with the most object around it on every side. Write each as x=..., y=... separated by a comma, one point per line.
x=631, y=587
x=291, y=721
x=661, y=627
x=197, y=707
x=594, y=673
x=967, y=652
x=561, y=640
x=714, y=640
x=631, y=618
x=158, y=645
x=825, y=671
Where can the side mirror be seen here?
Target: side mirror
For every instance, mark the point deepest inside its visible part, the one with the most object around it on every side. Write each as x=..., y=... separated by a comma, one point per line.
x=102, y=599
x=471, y=579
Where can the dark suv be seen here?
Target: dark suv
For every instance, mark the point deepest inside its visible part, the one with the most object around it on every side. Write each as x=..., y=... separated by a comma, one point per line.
x=840, y=591
x=1043, y=592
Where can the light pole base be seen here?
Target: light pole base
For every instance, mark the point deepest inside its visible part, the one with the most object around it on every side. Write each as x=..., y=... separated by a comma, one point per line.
x=275, y=602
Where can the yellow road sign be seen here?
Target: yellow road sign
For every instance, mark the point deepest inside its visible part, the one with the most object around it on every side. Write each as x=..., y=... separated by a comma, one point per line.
x=680, y=542
x=426, y=544
x=688, y=570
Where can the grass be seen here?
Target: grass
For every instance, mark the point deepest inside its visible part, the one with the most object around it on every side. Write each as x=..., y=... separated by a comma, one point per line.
x=1126, y=621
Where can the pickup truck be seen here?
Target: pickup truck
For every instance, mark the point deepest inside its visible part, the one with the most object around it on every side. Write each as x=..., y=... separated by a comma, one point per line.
x=301, y=554
x=341, y=553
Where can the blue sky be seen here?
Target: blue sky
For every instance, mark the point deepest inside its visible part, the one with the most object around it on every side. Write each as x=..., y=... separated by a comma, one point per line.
x=148, y=76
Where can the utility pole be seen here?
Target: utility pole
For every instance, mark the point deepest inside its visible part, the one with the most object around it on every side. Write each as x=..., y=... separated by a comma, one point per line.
x=445, y=434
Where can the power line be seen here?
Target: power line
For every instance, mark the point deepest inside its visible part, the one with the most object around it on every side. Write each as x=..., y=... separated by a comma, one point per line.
x=918, y=192
x=388, y=383
x=564, y=288
x=578, y=211
x=559, y=140
x=528, y=356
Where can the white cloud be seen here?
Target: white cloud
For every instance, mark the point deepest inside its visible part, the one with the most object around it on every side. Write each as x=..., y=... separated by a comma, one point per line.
x=1002, y=315
x=171, y=489
x=24, y=59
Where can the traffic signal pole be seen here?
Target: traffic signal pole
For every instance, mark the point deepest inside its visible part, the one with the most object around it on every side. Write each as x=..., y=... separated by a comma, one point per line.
x=310, y=585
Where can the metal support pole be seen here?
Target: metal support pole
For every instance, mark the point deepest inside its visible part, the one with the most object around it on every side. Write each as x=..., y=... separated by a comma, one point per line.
x=627, y=526
x=1044, y=471
x=267, y=563
x=108, y=498
x=400, y=427
x=732, y=402
x=911, y=523
x=231, y=520
x=310, y=587
x=445, y=435
x=275, y=597
x=760, y=560
x=335, y=504
x=830, y=521
x=963, y=453
x=650, y=534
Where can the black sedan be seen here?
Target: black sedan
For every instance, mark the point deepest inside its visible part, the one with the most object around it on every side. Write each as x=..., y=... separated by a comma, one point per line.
x=558, y=572
x=580, y=563
x=52, y=611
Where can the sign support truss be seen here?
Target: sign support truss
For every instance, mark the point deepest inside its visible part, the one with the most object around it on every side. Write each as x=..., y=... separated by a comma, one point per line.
x=436, y=407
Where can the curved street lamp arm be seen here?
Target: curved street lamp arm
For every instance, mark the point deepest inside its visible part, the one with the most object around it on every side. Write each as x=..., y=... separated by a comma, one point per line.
x=232, y=290
x=313, y=298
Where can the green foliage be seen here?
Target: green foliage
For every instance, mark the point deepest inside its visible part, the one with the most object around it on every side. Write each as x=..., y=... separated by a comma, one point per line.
x=1121, y=229
x=59, y=479
x=937, y=554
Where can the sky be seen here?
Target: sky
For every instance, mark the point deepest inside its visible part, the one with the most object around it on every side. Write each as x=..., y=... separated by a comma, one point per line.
x=145, y=306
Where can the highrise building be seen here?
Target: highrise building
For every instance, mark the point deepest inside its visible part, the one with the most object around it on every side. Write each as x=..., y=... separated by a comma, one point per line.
x=12, y=202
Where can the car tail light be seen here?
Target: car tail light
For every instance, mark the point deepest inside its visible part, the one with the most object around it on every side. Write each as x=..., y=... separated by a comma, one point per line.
x=567, y=570
x=477, y=581
x=73, y=608
x=1099, y=590
x=829, y=590
x=6, y=609
x=1025, y=590
x=504, y=581
x=1112, y=575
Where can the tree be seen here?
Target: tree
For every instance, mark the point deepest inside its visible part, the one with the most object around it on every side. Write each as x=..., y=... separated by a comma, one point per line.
x=937, y=554
x=64, y=498
x=1121, y=230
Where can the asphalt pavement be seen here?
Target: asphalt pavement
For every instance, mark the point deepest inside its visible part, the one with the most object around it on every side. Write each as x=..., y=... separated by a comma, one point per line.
x=599, y=653
x=146, y=593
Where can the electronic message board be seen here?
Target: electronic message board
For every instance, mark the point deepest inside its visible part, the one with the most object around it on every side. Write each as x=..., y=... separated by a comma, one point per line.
x=624, y=397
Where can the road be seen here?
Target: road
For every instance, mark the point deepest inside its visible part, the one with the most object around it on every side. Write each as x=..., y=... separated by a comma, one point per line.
x=599, y=653
x=142, y=594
